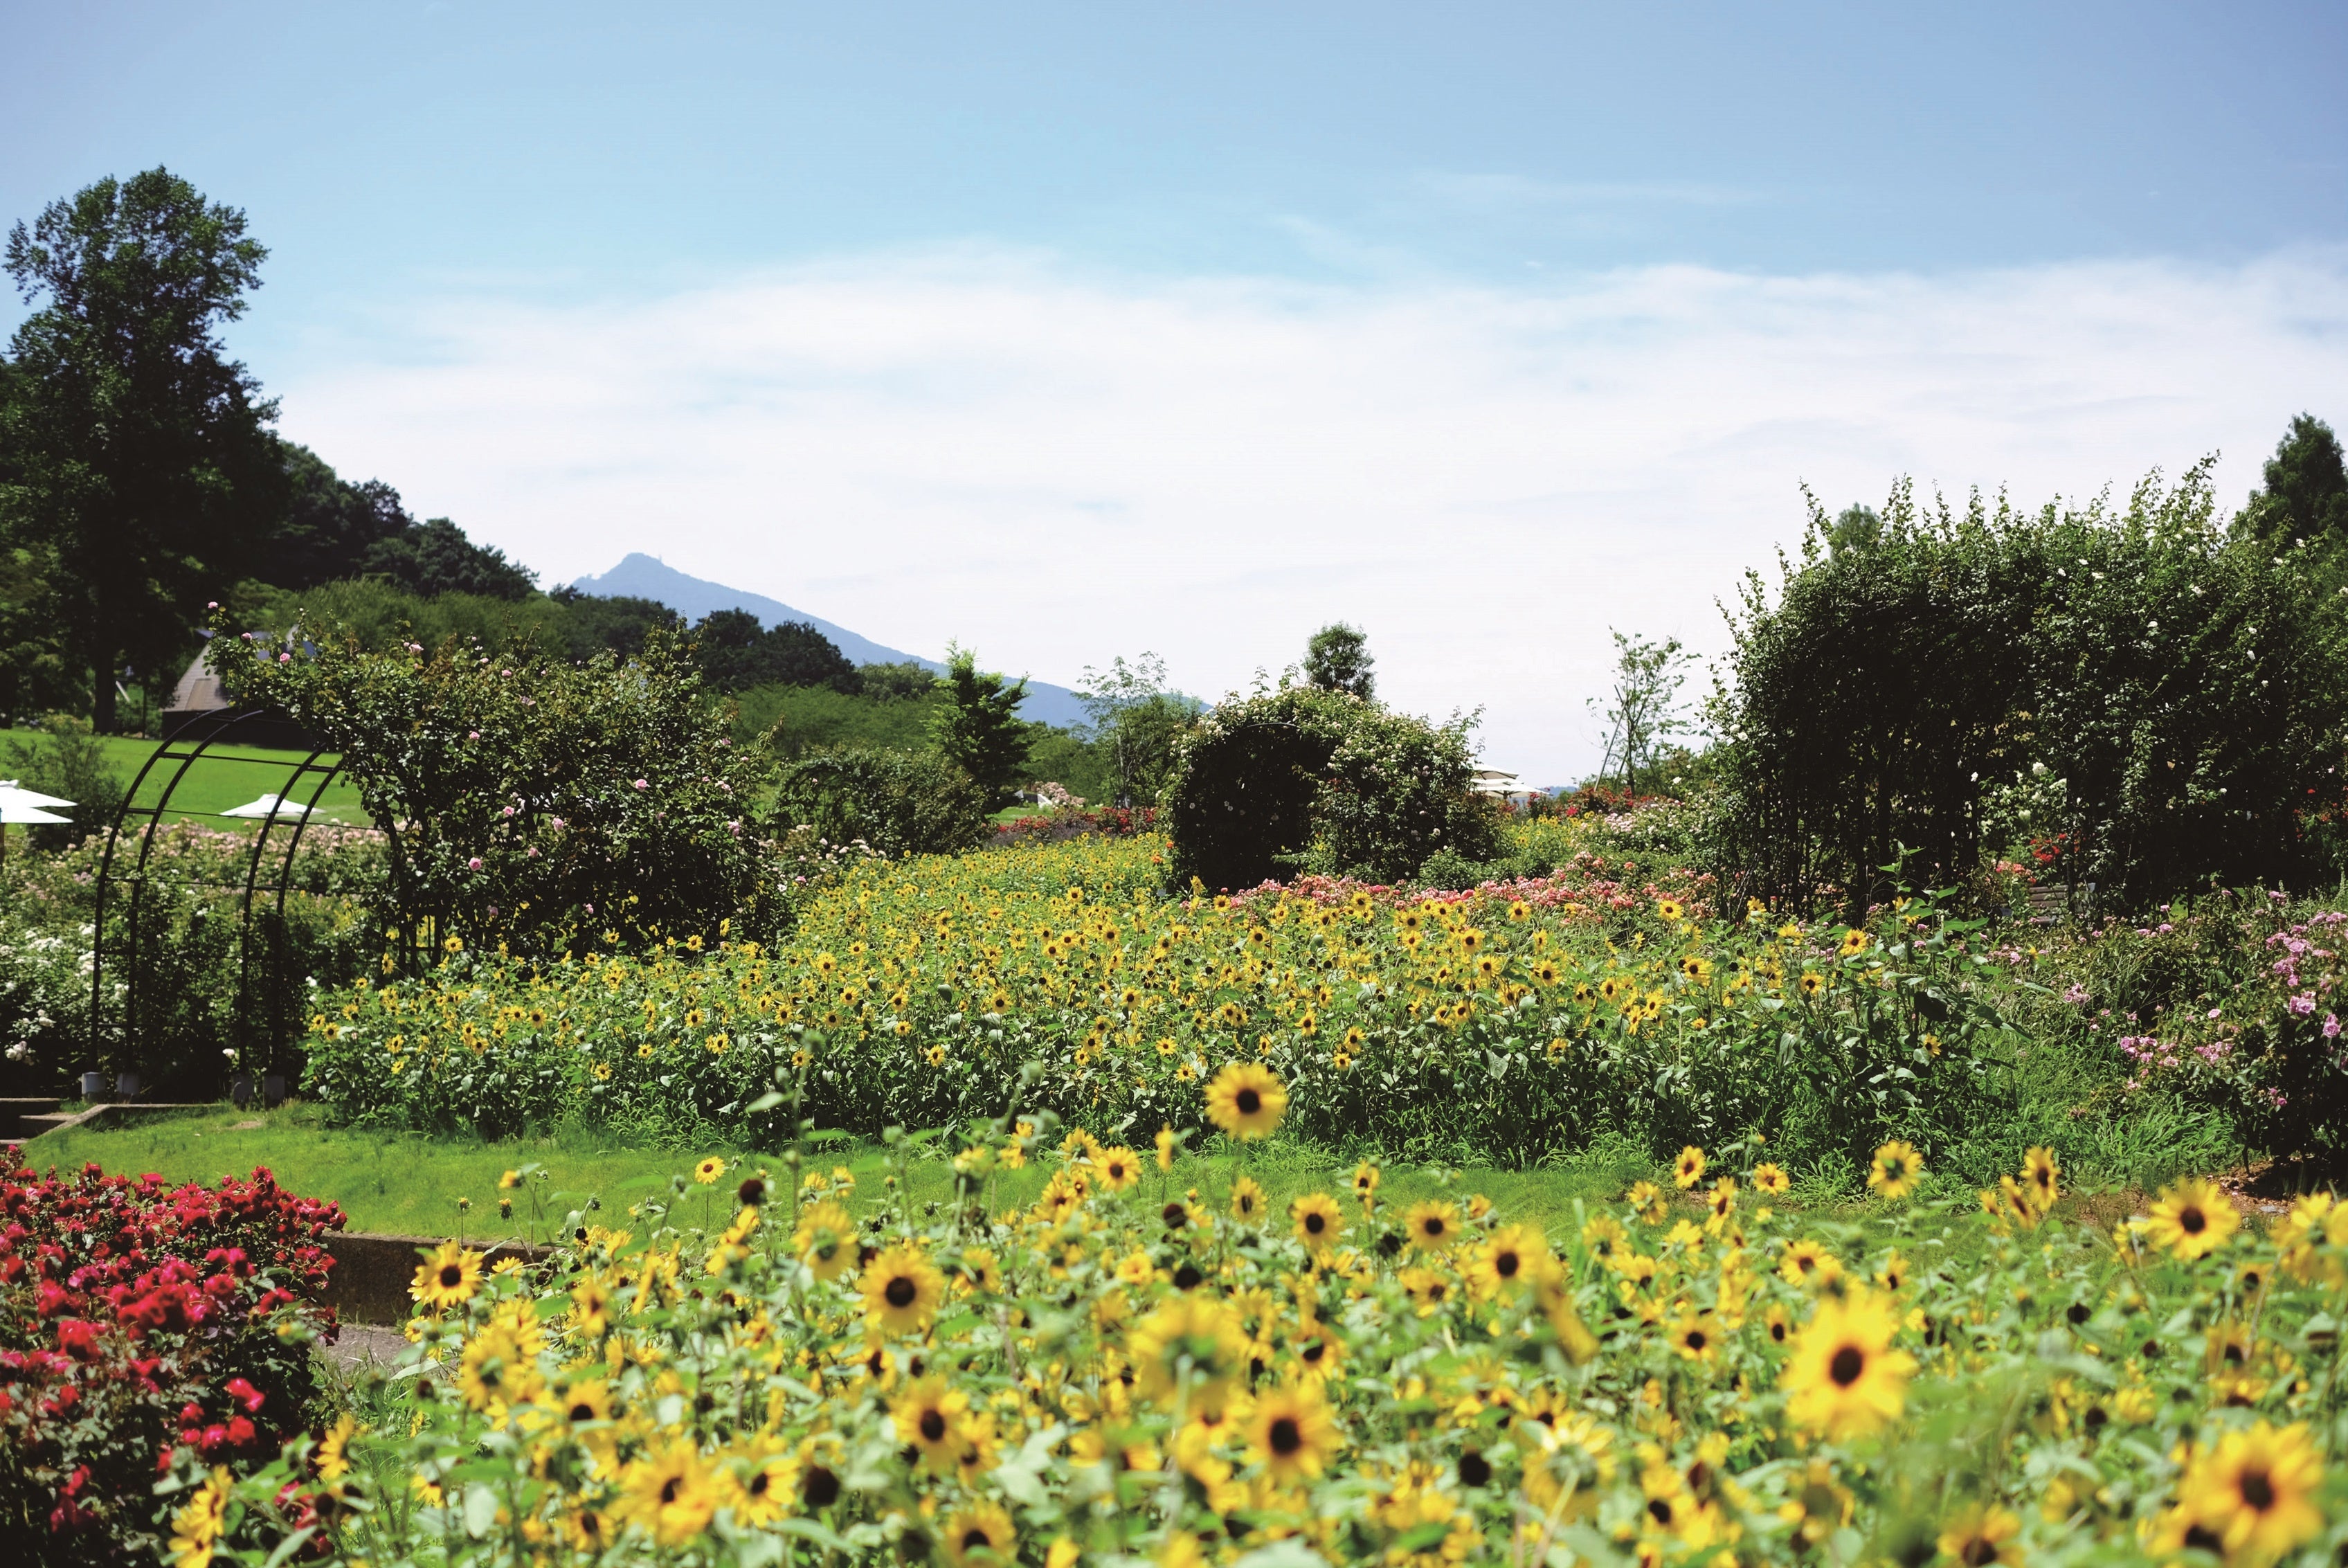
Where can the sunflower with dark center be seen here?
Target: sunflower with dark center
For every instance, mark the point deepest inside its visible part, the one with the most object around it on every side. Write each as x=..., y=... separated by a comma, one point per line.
x=1844, y=1379
x=902, y=1290
x=2257, y=1490
x=2192, y=1219
x=1292, y=1434
x=928, y=1418
x=981, y=1534
x=449, y=1278
x=1317, y=1219
x=1247, y=1199
x=1980, y=1534
x=1432, y=1225
x=1506, y=1261
x=1246, y=1101
x=1895, y=1170
x=1688, y=1168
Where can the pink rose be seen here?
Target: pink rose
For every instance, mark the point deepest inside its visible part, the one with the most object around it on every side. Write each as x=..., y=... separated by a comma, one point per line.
x=475, y=863
x=642, y=784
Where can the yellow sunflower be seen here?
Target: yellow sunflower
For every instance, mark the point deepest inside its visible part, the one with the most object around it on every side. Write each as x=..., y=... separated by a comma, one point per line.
x=928, y=1417
x=1688, y=1169
x=1511, y=1258
x=1809, y=1262
x=1119, y=1168
x=2193, y=1219
x=1292, y=1434
x=1247, y=1199
x=1854, y=942
x=1669, y=909
x=2255, y=1491
x=671, y=1493
x=825, y=1240
x=2041, y=1180
x=1896, y=1169
x=902, y=1290
x=1317, y=1219
x=1770, y=1178
x=1246, y=1101
x=980, y=1534
x=1192, y=1348
x=1812, y=983
x=1980, y=1534
x=448, y=1278
x=1844, y=1379
x=709, y=1170
x=1432, y=1225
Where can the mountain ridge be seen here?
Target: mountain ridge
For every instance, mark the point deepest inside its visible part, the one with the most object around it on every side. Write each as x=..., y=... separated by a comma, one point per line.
x=643, y=576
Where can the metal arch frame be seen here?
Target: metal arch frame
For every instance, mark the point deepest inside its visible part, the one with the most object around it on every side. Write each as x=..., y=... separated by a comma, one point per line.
x=208, y=732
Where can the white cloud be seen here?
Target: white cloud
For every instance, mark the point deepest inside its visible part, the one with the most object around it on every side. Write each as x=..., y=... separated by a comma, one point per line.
x=1053, y=466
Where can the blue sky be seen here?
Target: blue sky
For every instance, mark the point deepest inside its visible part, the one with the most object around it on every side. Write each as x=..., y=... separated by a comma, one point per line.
x=1486, y=326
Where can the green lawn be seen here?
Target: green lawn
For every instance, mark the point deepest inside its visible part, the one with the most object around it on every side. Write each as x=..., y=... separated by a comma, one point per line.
x=411, y=1184
x=227, y=776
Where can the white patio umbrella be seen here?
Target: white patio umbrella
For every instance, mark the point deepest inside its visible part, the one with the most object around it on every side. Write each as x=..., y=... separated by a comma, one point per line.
x=14, y=811
x=268, y=806
x=10, y=790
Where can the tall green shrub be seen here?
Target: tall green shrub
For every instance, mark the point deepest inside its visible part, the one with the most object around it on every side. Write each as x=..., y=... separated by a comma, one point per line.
x=2186, y=691
x=896, y=802
x=526, y=797
x=1309, y=778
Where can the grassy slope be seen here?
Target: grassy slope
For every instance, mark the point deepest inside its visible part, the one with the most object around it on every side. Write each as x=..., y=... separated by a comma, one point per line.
x=228, y=776
x=411, y=1184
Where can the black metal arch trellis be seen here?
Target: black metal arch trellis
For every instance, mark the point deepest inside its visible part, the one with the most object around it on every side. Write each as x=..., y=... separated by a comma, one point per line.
x=264, y=1016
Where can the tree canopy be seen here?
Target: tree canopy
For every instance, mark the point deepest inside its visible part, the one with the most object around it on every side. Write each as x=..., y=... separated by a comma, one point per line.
x=136, y=450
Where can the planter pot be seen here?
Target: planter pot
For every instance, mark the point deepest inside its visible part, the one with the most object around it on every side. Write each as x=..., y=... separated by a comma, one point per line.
x=126, y=1086
x=272, y=1089
x=240, y=1089
x=93, y=1086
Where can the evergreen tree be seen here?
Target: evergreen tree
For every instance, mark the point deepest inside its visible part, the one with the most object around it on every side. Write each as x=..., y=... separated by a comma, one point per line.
x=978, y=728
x=1338, y=659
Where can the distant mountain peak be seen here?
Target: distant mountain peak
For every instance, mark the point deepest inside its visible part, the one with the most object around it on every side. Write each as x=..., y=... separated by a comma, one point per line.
x=642, y=576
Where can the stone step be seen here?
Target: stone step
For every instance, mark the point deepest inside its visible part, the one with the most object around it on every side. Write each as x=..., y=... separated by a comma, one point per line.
x=32, y=1126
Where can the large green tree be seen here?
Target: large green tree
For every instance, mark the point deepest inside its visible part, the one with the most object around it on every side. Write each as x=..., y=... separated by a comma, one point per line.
x=977, y=726
x=2305, y=497
x=137, y=450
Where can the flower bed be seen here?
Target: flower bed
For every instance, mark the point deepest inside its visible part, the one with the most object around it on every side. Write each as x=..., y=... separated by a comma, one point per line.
x=141, y=1324
x=1512, y=1023
x=1132, y=1370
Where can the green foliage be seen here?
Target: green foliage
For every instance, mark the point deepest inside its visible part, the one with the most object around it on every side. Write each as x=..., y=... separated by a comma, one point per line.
x=977, y=728
x=595, y=623
x=2305, y=496
x=1338, y=659
x=735, y=653
x=892, y=683
x=37, y=673
x=1077, y=765
x=895, y=802
x=191, y=956
x=1395, y=792
x=69, y=763
x=1320, y=780
x=131, y=445
x=2188, y=690
x=1137, y=725
x=528, y=797
x=436, y=557
x=1643, y=713
x=793, y=720
x=1240, y=805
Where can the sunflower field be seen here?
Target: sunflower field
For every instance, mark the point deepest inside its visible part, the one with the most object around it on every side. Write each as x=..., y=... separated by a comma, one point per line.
x=1510, y=1023
x=1130, y=1369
